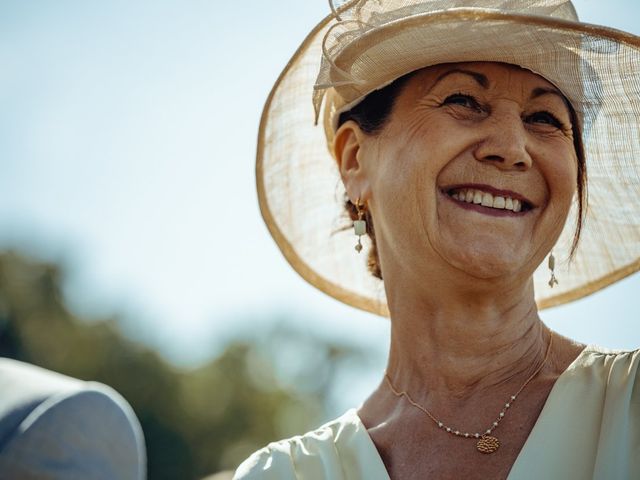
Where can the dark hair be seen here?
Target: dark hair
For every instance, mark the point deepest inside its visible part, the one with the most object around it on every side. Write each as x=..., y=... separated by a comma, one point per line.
x=372, y=114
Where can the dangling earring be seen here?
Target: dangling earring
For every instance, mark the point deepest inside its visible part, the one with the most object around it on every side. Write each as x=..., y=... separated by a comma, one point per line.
x=359, y=225
x=552, y=265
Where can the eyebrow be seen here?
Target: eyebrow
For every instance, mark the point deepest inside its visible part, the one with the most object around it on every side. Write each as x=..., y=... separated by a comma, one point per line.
x=538, y=92
x=482, y=80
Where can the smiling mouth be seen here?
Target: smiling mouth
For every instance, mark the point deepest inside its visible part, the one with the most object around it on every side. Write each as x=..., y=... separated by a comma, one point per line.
x=495, y=201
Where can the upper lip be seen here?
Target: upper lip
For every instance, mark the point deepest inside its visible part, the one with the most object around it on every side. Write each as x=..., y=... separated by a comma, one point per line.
x=492, y=190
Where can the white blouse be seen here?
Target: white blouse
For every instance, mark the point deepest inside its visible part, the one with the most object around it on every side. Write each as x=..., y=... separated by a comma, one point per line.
x=589, y=428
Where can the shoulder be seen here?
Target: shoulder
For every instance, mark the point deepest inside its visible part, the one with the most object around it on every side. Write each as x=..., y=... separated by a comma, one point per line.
x=83, y=429
x=318, y=454
x=606, y=378
x=605, y=360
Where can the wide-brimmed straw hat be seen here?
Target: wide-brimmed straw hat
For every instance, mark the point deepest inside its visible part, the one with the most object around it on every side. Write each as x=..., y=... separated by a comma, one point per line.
x=366, y=44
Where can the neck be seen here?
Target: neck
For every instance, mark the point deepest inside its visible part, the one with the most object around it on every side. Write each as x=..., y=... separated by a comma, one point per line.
x=455, y=344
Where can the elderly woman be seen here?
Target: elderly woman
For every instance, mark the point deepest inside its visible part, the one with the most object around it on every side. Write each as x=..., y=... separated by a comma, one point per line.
x=463, y=133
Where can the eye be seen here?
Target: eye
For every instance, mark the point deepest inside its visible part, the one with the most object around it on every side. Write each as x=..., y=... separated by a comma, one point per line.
x=463, y=100
x=545, y=118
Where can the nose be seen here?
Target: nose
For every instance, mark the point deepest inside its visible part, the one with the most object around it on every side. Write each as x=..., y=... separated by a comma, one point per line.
x=504, y=141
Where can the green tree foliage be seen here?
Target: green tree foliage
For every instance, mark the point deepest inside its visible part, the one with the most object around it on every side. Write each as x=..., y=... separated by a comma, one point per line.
x=195, y=422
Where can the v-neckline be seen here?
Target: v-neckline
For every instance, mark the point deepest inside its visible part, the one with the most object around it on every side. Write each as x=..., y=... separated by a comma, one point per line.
x=550, y=398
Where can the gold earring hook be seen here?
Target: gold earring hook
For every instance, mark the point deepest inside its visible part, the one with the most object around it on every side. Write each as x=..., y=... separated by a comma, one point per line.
x=359, y=225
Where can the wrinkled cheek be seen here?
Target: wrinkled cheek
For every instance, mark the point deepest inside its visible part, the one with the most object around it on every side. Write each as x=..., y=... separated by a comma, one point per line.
x=565, y=200
x=417, y=183
x=568, y=189
x=401, y=203
x=562, y=174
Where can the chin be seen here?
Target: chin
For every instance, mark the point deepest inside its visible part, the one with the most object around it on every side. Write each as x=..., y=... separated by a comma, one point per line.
x=487, y=264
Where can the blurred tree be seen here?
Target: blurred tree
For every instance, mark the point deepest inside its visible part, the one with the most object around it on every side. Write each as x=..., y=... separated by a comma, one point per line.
x=195, y=422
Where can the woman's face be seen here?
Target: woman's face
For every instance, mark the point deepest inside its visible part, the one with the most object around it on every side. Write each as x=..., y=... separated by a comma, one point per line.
x=475, y=168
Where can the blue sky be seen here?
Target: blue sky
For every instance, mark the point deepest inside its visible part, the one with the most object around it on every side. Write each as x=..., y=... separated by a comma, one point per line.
x=127, y=147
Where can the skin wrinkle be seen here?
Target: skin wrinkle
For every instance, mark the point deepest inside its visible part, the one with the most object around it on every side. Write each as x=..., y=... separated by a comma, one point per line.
x=465, y=329
x=567, y=131
x=536, y=93
x=414, y=120
x=506, y=372
x=429, y=100
x=554, y=131
x=478, y=77
x=413, y=128
x=413, y=125
x=461, y=358
x=372, y=124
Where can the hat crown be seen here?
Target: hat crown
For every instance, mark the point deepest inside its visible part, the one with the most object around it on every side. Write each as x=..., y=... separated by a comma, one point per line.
x=364, y=10
x=366, y=45
x=356, y=20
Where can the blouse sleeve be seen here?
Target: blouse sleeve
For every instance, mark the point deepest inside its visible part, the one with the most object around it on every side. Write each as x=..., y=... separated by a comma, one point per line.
x=269, y=463
x=339, y=450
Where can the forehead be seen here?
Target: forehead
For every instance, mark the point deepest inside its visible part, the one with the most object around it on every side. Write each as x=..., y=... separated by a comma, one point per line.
x=489, y=75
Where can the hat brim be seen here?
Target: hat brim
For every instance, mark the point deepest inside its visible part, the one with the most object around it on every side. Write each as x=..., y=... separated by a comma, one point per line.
x=597, y=68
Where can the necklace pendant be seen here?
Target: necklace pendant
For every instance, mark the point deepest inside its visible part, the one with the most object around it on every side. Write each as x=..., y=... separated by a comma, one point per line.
x=488, y=444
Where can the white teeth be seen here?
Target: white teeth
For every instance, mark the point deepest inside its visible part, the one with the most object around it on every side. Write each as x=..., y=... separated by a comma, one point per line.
x=508, y=205
x=469, y=196
x=517, y=206
x=485, y=199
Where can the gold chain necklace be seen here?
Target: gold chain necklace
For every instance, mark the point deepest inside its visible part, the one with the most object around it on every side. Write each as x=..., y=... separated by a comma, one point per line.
x=487, y=443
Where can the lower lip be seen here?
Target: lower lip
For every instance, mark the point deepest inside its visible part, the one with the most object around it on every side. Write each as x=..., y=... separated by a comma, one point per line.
x=494, y=212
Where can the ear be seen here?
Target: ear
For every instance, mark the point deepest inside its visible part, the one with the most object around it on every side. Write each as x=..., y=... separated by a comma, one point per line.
x=348, y=146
